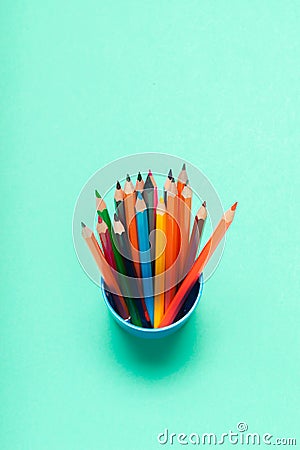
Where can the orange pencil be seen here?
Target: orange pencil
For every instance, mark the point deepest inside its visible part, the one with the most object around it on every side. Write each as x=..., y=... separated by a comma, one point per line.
x=105, y=270
x=185, y=206
x=159, y=280
x=129, y=205
x=198, y=267
x=172, y=232
x=182, y=179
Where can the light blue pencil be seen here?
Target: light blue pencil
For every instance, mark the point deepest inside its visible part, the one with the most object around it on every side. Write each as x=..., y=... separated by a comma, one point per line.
x=145, y=257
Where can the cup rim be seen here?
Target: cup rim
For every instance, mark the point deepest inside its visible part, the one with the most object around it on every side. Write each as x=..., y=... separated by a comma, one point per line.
x=153, y=330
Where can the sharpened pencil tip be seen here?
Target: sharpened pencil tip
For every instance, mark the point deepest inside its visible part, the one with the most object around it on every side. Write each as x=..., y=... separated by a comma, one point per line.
x=150, y=172
x=139, y=177
x=173, y=180
x=128, y=177
x=183, y=166
x=170, y=174
x=118, y=186
x=204, y=204
x=83, y=225
x=97, y=194
x=233, y=208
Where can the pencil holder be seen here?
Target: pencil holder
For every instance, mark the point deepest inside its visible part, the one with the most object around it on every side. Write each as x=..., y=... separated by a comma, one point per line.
x=191, y=304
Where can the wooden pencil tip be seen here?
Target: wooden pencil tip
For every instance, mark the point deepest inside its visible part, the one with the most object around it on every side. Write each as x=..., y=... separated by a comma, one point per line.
x=83, y=225
x=139, y=177
x=183, y=166
x=150, y=172
x=118, y=186
x=97, y=194
x=204, y=204
x=233, y=208
x=128, y=177
x=170, y=174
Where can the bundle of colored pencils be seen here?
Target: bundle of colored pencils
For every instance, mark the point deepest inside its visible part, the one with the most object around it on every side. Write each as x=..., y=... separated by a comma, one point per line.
x=147, y=255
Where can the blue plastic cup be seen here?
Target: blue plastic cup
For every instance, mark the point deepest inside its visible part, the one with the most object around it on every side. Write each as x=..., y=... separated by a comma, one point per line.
x=191, y=303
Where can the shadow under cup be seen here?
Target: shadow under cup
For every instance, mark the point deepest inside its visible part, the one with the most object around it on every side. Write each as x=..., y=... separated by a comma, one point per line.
x=184, y=314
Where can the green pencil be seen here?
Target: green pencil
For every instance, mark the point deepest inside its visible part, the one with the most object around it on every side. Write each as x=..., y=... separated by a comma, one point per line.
x=103, y=213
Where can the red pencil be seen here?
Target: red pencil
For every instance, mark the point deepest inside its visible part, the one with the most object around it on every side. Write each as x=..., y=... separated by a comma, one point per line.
x=104, y=236
x=198, y=267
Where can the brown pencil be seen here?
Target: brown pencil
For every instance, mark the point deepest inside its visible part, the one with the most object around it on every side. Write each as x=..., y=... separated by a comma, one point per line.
x=119, y=202
x=139, y=185
x=195, y=238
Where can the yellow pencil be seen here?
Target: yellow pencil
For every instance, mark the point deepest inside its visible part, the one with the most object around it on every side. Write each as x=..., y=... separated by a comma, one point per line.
x=160, y=259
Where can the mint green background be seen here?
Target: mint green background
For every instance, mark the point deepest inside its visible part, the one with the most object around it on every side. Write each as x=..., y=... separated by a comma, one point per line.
x=83, y=83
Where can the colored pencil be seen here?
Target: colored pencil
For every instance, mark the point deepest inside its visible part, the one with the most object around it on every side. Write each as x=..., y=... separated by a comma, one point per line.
x=136, y=290
x=106, y=270
x=185, y=206
x=155, y=201
x=198, y=266
x=119, y=202
x=195, y=238
x=103, y=213
x=172, y=244
x=182, y=179
x=144, y=247
x=129, y=206
x=102, y=210
x=167, y=185
x=148, y=195
x=160, y=258
x=104, y=236
x=139, y=185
